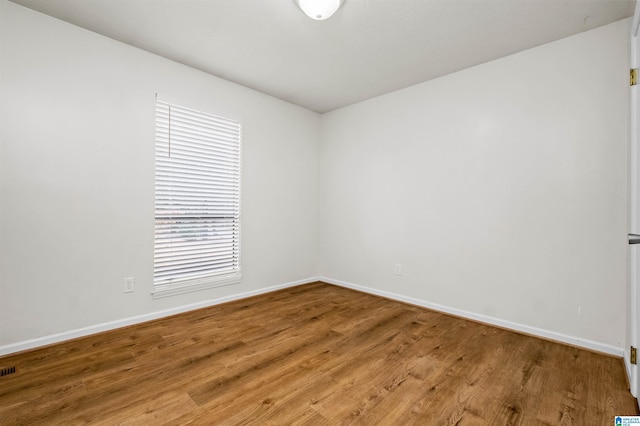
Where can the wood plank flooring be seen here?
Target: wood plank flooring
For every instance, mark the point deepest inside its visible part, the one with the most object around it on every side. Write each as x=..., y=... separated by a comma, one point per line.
x=313, y=354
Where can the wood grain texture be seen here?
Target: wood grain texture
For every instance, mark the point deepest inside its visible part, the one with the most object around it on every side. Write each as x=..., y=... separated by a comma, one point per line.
x=314, y=354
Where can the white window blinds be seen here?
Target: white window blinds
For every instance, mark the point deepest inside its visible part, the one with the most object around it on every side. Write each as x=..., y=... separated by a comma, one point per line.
x=197, y=200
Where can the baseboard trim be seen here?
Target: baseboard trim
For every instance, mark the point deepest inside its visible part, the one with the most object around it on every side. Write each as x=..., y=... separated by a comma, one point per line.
x=521, y=328
x=112, y=325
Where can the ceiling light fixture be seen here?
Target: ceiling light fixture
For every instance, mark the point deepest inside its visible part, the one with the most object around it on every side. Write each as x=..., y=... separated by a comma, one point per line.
x=319, y=9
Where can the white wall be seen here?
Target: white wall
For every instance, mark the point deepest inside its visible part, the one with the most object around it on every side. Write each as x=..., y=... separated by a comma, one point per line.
x=76, y=176
x=501, y=189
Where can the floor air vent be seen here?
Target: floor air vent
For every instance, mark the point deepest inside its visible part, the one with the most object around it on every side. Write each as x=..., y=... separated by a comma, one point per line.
x=7, y=370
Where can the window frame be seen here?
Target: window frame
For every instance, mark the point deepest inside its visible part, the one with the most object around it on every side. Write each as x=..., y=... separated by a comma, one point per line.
x=167, y=223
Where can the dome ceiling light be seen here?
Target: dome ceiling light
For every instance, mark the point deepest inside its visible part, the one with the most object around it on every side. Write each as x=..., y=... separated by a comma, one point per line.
x=319, y=9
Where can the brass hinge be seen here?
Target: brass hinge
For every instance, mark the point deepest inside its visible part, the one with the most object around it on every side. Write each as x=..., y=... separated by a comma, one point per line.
x=634, y=355
x=633, y=76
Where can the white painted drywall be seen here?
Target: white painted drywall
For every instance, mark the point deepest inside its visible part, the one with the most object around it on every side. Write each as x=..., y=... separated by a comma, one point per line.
x=500, y=189
x=76, y=176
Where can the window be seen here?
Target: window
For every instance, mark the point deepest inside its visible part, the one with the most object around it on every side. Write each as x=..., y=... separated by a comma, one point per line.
x=197, y=201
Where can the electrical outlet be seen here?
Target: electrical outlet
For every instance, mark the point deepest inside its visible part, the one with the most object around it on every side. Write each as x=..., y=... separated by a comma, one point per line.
x=129, y=285
x=398, y=269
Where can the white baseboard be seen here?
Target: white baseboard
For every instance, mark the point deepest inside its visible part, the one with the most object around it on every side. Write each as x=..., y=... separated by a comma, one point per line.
x=85, y=331
x=534, y=331
x=111, y=325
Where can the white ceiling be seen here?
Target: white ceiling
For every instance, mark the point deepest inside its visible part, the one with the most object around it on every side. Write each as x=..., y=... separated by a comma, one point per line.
x=369, y=47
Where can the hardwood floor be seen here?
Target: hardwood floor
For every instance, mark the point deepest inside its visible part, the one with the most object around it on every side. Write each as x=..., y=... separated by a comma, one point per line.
x=313, y=354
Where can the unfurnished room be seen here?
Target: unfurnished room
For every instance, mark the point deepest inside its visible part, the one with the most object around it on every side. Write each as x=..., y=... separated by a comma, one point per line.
x=278, y=212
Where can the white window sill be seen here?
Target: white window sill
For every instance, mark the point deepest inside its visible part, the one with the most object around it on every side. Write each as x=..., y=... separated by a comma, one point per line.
x=189, y=286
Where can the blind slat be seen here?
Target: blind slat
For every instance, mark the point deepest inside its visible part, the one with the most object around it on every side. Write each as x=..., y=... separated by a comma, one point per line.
x=197, y=196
